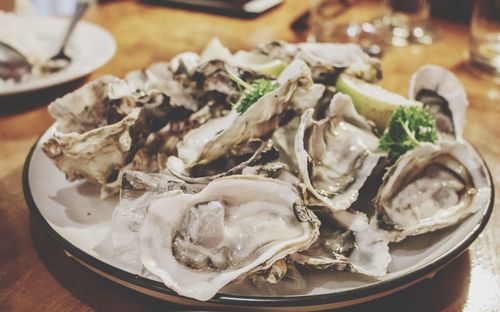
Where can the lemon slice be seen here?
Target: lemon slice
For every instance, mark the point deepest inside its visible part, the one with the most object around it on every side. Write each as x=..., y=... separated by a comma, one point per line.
x=372, y=101
x=259, y=63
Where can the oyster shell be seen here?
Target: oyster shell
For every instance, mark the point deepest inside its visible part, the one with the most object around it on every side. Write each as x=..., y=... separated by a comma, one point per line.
x=347, y=242
x=235, y=226
x=250, y=60
x=94, y=105
x=336, y=155
x=444, y=96
x=223, y=136
x=98, y=133
x=431, y=187
x=327, y=60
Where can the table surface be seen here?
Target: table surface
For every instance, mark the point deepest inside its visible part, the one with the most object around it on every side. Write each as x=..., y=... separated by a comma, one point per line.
x=35, y=273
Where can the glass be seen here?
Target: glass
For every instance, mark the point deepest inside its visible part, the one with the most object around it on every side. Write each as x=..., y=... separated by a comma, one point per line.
x=347, y=21
x=485, y=36
x=407, y=21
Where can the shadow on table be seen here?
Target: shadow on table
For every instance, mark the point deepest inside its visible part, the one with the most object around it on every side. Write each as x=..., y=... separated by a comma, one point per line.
x=446, y=291
x=18, y=103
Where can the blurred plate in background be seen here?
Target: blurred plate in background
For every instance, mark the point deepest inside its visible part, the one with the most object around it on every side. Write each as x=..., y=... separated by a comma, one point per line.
x=90, y=47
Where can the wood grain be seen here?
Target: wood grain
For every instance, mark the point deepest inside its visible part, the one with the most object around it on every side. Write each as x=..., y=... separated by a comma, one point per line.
x=36, y=275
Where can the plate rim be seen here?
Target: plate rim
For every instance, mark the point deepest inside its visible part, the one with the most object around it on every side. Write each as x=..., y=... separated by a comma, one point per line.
x=260, y=301
x=21, y=89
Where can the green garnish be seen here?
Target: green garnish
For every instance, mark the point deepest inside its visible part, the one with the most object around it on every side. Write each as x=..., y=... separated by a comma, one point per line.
x=252, y=92
x=408, y=127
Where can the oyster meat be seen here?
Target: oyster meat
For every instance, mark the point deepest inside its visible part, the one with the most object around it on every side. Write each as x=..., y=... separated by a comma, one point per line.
x=235, y=226
x=444, y=96
x=336, y=154
x=431, y=187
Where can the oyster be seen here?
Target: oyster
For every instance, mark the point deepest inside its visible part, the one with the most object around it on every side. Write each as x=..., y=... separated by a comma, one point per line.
x=336, y=154
x=347, y=242
x=226, y=135
x=234, y=227
x=431, y=187
x=327, y=60
x=444, y=96
x=194, y=82
x=94, y=105
x=101, y=126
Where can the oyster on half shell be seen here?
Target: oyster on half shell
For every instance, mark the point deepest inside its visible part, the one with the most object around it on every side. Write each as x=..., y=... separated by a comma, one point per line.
x=336, y=154
x=431, y=187
x=222, y=136
x=236, y=226
x=347, y=242
x=444, y=96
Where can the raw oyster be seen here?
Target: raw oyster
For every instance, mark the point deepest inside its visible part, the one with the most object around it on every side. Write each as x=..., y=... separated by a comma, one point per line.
x=235, y=226
x=195, y=84
x=431, y=187
x=336, y=154
x=223, y=136
x=444, y=96
x=347, y=242
x=327, y=60
x=101, y=126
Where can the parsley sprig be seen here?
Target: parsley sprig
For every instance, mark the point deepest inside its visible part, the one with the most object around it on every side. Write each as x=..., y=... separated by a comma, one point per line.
x=252, y=92
x=408, y=127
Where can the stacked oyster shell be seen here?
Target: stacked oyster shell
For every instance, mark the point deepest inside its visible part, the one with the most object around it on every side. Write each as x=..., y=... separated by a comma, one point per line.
x=210, y=195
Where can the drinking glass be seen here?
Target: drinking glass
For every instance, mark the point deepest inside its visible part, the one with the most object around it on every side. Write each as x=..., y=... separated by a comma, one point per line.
x=347, y=21
x=485, y=36
x=407, y=21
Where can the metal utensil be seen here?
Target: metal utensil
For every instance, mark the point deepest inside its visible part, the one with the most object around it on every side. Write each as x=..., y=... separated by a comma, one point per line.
x=14, y=65
x=61, y=60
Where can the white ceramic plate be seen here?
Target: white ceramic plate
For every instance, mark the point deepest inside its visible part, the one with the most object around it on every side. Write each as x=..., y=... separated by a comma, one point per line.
x=90, y=47
x=75, y=217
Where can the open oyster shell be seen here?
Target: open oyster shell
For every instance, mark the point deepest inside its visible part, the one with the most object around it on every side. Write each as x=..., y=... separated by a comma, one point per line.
x=444, y=96
x=235, y=226
x=336, y=155
x=193, y=83
x=347, y=242
x=431, y=187
x=223, y=136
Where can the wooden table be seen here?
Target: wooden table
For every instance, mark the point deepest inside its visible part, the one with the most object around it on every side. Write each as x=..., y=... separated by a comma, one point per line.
x=36, y=275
